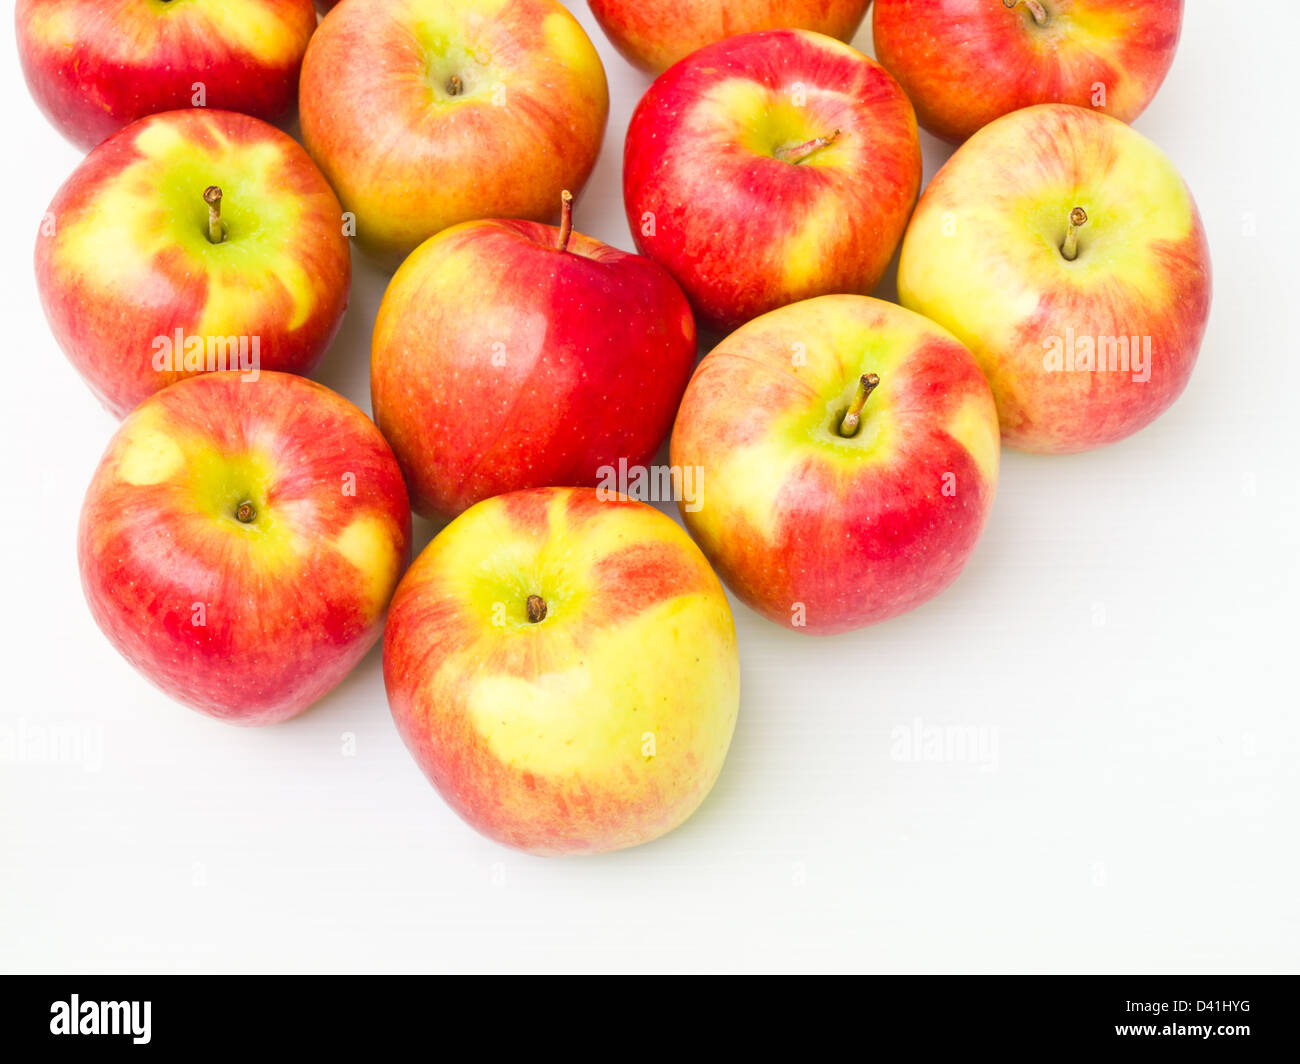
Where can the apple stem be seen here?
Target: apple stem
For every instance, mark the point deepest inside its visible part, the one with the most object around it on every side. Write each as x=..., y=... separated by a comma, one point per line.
x=536, y=606
x=797, y=153
x=212, y=197
x=1035, y=8
x=566, y=220
x=244, y=512
x=853, y=418
x=1070, y=249
x=455, y=86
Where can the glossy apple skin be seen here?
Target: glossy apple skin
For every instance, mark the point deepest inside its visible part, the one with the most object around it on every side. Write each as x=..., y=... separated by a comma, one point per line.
x=655, y=34
x=93, y=66
x=602, y=726
x=291, y=600
x=964, y=63
x=821, y=533
x=982, y=258
x=500, y=362
x=123, y=256
x=741, y=230
x=410, y=159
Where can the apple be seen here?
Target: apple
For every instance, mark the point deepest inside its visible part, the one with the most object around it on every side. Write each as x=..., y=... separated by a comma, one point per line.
x=512, y=354
x=655, y=34
x=964, y=63
x=1064, y=249
x=563, y=668
x=240, y=541
x=769, y=168
x=428, y=113
x=848, y=453
x=93, y=67
x=192, y=240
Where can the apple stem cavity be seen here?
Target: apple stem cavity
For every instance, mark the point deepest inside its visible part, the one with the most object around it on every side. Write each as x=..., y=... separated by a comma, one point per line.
x=1070, y=249
x=853, y=418
x=1035, y=8
x=797, y=153
x=566, y=227
x=216, y=231
x=244, y=513
x=536, y=606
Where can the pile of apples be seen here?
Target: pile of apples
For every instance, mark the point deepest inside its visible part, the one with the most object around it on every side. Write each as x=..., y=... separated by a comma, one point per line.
x=561, y=660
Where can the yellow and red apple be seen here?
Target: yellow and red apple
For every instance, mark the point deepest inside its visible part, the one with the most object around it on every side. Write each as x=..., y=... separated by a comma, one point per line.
x=93, y=67
x=511, y=354
x=240, y=541
x=426, y=113
x=189, y=241
x=964, y=63
x=655, y=34
x=1063, y=248
x=848, y=453
x=769, y=168
x=564, y=670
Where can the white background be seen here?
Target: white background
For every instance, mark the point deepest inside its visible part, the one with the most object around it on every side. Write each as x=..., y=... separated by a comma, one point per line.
x=1123, y=641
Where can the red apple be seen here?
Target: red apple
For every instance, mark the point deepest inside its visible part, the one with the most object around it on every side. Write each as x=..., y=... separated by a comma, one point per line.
x=966, y=62
x=240, y=541
x=564, y=670
x=848, y=452
x=655, y=34
x=94, y=66
x=511, y=354
x=144, y=281
x=769, y=168
x=427, y=113
x=1064, y=249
